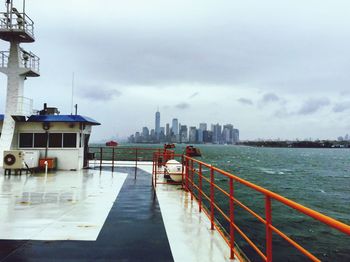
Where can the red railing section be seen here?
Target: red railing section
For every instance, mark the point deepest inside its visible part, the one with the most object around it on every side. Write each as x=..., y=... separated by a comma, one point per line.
x=110, y=156
x=196, y=176
x=196, y=172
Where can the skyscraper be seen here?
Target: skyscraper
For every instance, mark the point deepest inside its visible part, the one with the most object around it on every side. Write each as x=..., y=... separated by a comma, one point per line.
x=192, y=134
x=183, y=134
x=216, y=133
x=157, y=126
x=175, y=126
x=227, y=134
x=235, y=135
x=202, y=128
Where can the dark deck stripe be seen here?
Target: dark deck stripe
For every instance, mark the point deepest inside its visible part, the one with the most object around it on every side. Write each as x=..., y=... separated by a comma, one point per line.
x=133, y=231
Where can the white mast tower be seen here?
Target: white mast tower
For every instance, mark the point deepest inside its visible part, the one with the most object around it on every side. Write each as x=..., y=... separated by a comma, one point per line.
x=16, y=28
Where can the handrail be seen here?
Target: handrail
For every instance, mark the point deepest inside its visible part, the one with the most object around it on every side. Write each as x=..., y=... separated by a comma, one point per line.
x=27, y=60
x=115, y=154
x=305, y=210
x=194, y=167
x=16, y=21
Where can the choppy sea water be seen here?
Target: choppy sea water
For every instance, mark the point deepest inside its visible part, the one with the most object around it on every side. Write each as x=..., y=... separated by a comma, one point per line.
x=316, y=178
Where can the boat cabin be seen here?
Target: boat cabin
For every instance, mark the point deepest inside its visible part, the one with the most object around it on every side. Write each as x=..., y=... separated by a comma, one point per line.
x=62, y=139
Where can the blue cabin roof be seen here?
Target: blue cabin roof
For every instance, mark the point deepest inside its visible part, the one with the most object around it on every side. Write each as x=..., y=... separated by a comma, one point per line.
x=63, y=118
x=60, y=118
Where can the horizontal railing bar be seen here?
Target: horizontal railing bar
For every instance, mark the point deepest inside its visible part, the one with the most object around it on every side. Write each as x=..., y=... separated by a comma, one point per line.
x=221, y=212
x=307, y=211
x=295, y=244
x=249, y=241
x=250, y=211
x=222, y=190
x=228, y=220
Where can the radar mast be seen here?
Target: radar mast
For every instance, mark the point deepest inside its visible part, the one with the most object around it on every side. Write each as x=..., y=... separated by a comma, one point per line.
x=16, y=27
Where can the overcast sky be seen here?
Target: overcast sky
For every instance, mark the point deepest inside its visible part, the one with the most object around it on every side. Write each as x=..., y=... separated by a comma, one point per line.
x=274, y=69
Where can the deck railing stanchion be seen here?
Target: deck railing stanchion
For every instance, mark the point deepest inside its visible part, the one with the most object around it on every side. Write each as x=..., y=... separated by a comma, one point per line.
x=156, y=171
x=212, y=197
x=182, y=171
x=200, y=188
x=153, y=171
x=186, y=173
x=191, y=182
x=136, y=156
x=101, y=150
x=112, y=159
x=232, y=235
x=268, y=229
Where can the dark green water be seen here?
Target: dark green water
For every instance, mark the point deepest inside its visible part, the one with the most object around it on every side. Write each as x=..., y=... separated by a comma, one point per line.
x=316, y=178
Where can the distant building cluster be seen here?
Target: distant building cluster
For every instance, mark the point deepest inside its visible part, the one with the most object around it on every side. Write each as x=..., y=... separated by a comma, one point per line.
x=178, y=133
x=345, y=138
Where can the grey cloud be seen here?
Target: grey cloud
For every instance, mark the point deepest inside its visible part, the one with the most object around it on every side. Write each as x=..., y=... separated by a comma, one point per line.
x=182, y=106
x=148, y=53
x=193, y=95
x=313, y=105
x=97, y=93
x=341, y=107
x=245, y=101
x=269, y=98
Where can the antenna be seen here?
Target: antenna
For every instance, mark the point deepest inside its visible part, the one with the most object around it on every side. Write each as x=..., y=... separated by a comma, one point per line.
x=71, y=111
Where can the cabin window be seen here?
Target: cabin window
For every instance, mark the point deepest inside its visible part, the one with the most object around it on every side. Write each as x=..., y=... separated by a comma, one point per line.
x=40, y=139
x=55, y=140
x=69, y=140
x=26, y=140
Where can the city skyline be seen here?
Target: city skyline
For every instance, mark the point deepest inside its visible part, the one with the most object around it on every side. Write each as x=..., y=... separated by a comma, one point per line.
x=181, y=133
x=279, y=69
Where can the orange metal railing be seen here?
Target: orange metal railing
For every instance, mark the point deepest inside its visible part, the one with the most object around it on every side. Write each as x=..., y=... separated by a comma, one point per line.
x=193, y=181
x=110, y=156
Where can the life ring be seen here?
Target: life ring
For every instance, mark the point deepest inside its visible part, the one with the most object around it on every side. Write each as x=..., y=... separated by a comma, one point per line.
x=9, y=159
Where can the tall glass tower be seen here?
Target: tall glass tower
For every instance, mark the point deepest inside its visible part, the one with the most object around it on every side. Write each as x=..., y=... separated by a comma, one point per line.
x=175, y=126
x=157, y=127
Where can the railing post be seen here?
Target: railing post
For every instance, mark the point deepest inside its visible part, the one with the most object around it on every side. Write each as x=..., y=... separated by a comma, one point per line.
x=182, y=171
x=186, y=173
x=101, y=149
x=268, y=229
x=232, y=229
x=212, y=197
x=153, y=171
x=192, y=180
x=200, y=188
x=112, y=159
x=136, y=155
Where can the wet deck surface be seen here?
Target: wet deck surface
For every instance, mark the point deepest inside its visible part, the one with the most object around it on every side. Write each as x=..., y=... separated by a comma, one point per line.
x=133, y=231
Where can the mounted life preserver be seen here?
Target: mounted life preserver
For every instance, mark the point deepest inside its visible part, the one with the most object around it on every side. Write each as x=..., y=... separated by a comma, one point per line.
x=9, y=159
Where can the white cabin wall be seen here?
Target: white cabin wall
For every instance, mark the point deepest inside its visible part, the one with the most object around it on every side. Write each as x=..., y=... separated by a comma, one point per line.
x=67, y=158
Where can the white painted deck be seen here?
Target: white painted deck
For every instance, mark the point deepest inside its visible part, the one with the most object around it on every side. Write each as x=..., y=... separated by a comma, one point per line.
x=188, y=230
x=62, y=206
x=74, y=206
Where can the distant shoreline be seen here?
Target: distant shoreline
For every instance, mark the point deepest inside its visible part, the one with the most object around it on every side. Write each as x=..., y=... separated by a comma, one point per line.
x=269, y=144
x=298, y=144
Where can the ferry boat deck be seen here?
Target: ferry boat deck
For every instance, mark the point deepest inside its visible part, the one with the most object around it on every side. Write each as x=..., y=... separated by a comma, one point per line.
x=94, y=215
